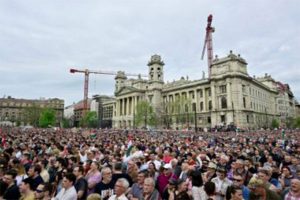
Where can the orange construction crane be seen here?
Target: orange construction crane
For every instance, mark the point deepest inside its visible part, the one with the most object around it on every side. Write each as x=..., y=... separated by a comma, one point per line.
x=87, y=72
x=209, y=44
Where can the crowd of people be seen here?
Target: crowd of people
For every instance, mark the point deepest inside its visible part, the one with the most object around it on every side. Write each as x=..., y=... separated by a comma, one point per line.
x=70, y=164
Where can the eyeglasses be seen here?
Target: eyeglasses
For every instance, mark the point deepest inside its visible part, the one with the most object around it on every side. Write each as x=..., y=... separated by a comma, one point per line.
x=235, y=179
x=39, y=191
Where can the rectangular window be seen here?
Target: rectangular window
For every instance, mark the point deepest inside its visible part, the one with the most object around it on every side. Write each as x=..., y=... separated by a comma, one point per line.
x=222, y=89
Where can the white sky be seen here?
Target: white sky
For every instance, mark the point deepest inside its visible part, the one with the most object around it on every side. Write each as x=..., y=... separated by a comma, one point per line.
x=41, y=40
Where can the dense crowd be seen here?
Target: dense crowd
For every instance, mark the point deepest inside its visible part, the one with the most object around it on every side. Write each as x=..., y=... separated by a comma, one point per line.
x=70, y=164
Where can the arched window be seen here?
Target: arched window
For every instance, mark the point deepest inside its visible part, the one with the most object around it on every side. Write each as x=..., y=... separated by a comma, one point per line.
x=223, y=102
x=209, y=105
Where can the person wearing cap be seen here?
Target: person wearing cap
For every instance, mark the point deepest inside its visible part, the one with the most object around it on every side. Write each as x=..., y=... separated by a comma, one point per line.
x=259, y=190
x=221, y=182
x=163, y=178
x=210, y=173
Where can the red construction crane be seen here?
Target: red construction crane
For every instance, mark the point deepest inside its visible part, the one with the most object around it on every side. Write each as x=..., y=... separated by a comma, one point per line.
x=86, y=81
x=208, y=43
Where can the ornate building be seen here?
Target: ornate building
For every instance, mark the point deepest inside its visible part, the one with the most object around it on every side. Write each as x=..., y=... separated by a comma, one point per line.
x=13, y=110
x=230, y=97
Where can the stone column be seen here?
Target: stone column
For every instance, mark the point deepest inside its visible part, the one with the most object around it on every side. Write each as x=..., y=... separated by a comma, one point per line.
x=229, y=99
x=123, y=106
x=205, y=100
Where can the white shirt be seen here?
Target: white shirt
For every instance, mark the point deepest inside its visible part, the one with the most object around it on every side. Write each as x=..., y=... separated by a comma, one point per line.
x=114, y=197
x=69, y=194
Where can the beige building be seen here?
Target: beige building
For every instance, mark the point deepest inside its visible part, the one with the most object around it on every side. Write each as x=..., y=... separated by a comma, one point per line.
x=13, y=110
x=230, y=97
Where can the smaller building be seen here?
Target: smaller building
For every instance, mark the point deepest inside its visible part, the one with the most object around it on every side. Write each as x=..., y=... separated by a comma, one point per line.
x=104, y=106
x=16, y=110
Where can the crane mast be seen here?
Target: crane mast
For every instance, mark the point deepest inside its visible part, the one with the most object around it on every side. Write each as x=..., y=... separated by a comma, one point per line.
x=208, y=45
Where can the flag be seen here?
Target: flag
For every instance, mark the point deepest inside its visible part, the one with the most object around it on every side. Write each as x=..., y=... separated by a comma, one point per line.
x=282, y=133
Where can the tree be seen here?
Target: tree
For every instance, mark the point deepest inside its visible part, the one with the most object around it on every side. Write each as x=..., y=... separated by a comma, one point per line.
x=181, y=109
x=145, y=114
x=32, y=115
x=89, y=119
x=47, y=118
x=296, y=123
x=275, y=123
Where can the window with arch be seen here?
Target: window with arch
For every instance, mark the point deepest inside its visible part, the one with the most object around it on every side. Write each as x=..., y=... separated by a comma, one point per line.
x=209, y=105
x=223, y=102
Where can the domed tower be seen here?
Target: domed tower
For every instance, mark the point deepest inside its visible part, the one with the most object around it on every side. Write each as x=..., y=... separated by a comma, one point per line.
x=156, y=69
x=120, y=80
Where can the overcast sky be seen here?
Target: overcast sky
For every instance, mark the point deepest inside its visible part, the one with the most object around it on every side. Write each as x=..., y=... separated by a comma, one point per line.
x=41, y=40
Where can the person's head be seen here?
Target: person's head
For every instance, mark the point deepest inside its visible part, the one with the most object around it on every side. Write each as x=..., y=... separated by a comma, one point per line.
x=196, y=178
x=106, y=174
x=25, y=186
x=286, y=171
x=117, y=166
x=43, y=163
x=257, y=186
x=211, y=167
x=9, y=177
x=167, y=169
x=234, y=193
x=295, y=185
x=95, y=165
x=60, y=163
x=210, y=188
x=264, y=175
x=131, y=165
x=121, y=186
x=182, y=185
x=78, y=171
x=141, y=177
x=172, y=184
x=221, y=173
x=223, y=159
x=68, y=180
x=149, y=185
x=48, y=189
x=39, y=191
x=151, y=166
x=34, y=170
x=94, y=196
x=238, y=180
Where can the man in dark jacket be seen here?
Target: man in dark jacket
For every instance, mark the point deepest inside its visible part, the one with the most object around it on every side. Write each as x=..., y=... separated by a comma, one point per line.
x=12, y=190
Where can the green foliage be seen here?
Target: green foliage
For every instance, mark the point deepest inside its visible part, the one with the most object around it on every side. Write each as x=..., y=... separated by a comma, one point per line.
x=32, y=115
x=47, y=118
x=67, y=123
x=145, y=114
x=296, y=123
x=89, y=120
x=180, y=109
x=275, y=123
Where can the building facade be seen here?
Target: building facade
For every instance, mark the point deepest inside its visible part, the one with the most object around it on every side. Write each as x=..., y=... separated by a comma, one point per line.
x=230, y=97
x=15, y=110
x=103, y=106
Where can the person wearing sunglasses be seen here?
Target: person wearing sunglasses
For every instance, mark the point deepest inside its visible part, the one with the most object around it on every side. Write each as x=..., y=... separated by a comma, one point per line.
x=238, y=182
x=39, y=192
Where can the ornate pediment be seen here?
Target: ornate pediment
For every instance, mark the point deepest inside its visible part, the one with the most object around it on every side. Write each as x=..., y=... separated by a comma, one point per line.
x=127, y=90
